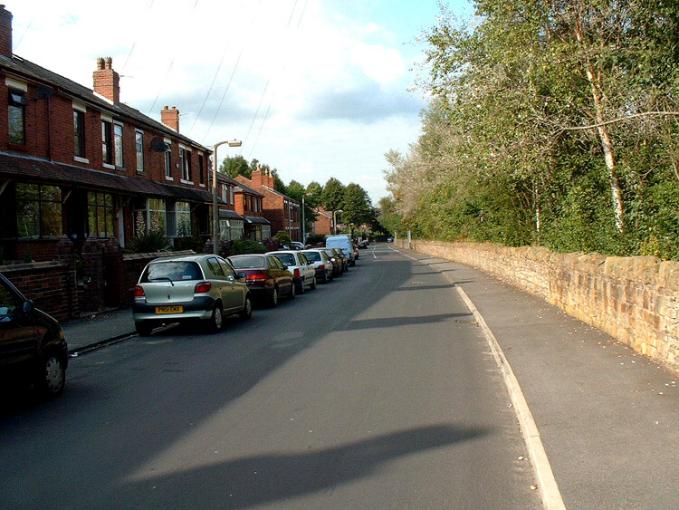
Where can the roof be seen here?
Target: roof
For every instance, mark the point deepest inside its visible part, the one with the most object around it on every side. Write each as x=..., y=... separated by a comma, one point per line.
x=257, y=220
x=229, y=214
x=246, y=189
x=37, y=169
x=267, y=189
x=31, y=70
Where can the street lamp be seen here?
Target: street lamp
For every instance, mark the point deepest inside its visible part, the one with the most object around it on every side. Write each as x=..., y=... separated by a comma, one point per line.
x=215, y=212
x=334, y=218
x=303, y=222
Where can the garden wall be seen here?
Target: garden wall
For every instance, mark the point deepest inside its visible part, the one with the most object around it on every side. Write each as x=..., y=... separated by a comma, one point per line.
x=634, y=299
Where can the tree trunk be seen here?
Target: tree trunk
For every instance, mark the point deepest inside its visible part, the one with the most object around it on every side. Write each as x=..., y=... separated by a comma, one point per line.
x=604, y=137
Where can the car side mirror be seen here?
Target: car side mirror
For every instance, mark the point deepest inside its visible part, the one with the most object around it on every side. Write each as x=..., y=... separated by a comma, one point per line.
x=241, y=276
x=27, y=307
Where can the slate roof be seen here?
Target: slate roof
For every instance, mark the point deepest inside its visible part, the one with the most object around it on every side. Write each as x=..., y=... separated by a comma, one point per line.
x=28, y=69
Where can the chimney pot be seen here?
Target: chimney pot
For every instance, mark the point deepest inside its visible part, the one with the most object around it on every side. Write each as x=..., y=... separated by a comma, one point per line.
x=106, y=80
x=170, y=117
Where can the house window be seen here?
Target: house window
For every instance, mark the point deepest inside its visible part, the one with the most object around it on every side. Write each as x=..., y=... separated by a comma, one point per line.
x=139, y=149
x=107, y=142
x=231, y=197
x=16, y=113
x=183, y=218
x=100, y=214
x=185, y=161
x=224, y=197
x=266, y=231
x=156, y=215
x=201, y=169
x=79, y=133
x=38, y=211
x=118, y=144
x=168, y=163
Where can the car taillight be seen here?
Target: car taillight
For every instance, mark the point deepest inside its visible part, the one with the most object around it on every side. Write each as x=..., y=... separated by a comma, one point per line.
x=257, y=277
x=202, y=287
x=139, y=292
x=296, y=273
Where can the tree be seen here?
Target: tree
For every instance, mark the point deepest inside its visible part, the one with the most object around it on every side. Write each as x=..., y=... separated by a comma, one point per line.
x=314, y=192
x=357, y=207
x=296, y=190
x=235, y=165
x=333, y=195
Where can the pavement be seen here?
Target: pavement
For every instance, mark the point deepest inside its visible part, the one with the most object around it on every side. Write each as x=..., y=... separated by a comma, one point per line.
x=98, y=329
x=608, y=417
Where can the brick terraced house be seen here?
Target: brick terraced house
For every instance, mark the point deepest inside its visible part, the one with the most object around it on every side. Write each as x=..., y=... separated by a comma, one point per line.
x=283, y=212
x=240, y=214
x=78, y=164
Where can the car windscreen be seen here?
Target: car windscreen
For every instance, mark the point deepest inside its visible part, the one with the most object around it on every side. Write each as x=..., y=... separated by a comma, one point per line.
x=286, y=258
x=248, y=261
x=337, y=243
x=175, y=271
x=313, y=256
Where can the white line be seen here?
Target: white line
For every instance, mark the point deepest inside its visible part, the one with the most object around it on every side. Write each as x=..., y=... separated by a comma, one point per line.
x=549, y=490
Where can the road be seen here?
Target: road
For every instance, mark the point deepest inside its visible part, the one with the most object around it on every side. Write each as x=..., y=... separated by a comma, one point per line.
x=375, y=391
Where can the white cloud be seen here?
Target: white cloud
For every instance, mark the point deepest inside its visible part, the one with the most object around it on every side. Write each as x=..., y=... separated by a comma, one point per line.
x=169, y=52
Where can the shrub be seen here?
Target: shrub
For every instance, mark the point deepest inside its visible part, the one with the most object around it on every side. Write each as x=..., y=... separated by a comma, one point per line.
x=149, y=242
x=247, y=246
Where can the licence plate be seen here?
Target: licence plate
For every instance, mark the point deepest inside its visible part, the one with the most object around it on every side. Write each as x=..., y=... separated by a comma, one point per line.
x=169, y=309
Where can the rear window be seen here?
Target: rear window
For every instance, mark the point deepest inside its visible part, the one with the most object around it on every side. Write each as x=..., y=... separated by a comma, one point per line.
x=313, y=256
x=175, y=271
x=286, y=258
x=337, y=243
x=247, y=262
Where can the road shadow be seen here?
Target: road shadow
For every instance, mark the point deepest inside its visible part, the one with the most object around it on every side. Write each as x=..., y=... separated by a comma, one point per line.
x=249, y=481
x=424, y=287
x=394, y=322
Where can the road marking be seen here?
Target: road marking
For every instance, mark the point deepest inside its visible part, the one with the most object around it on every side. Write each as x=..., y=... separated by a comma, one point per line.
x=549, y=490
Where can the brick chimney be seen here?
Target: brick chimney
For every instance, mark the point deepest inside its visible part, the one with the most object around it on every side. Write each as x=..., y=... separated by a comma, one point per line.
x=170, y=117
x=106, y=80
x=257, y=177
x=5, y=32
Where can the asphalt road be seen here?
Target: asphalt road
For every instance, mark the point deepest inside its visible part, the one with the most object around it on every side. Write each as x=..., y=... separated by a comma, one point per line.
x=374, y=391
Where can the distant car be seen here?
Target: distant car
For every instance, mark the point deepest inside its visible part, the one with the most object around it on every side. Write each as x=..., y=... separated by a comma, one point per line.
x=363, y=243
x=345, y=260
x=321, y=263
x=338, y=263
x=296, y=245
x=342, y=242
x=302, y=271
x=266, y=276
x=201, y=288
x=33, y=349
x=390, y=239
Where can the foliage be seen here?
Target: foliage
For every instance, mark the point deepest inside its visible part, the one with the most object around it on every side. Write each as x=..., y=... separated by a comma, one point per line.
x=357, y=207
x=235, y=165
x=282, y=237
x=315, y=239
x=247, y=246
x=552, y=122
x=332, y=197
x=152, y=241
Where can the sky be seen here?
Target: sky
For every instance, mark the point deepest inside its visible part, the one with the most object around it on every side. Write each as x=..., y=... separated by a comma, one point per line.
x=313, y=88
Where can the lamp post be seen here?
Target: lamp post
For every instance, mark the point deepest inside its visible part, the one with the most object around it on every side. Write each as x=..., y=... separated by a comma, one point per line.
x=334, y=219
x=215, y=212
x=303, y=222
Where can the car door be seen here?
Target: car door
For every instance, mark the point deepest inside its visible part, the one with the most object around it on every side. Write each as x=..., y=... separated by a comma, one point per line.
x=233, y=295
x=280, y=274
x=218, y=280
x=18, y=334
x=307, y=268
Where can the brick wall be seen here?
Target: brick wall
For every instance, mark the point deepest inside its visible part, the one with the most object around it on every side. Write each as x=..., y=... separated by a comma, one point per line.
x=634, y=299
x=51, y=286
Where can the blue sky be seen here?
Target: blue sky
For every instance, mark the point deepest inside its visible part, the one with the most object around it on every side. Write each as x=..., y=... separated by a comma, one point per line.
x=316, y=89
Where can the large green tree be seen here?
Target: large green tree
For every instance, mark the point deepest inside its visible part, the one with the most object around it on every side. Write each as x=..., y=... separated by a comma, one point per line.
x=357, y=207
x=235, y=165
x=333, y=195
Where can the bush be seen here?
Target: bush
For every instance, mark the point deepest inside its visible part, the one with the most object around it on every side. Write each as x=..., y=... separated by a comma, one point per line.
x=315, y=239
x=282, y=237
x=247, y=246
x=149, y=242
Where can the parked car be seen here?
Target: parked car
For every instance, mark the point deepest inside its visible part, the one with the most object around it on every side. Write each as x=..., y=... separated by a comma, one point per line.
x=33, y=349
x=303, y=273
x=363, y=243
x=342, y=242
x=189, y=288
x=345, y=261
x=296, y=245
x=321, y=263
x=338, y=262
x=266, y=276
x=390, y=239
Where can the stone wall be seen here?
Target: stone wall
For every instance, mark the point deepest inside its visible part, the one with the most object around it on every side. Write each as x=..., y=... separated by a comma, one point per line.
x=634, y=299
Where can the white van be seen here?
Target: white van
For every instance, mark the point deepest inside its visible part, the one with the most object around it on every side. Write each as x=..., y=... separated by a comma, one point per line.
x=343, y=242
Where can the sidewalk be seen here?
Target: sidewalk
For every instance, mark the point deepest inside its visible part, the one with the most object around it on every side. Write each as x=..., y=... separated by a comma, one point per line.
x=608, y=418
x=103, y=327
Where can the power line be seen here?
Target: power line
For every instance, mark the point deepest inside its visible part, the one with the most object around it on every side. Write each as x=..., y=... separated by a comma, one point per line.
x=134, y=44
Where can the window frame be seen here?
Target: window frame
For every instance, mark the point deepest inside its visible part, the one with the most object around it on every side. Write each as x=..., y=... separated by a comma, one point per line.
x=21, y=105
x=139, y=150
x=107, y=156
x=79, y=133
x=40, y=205
x=119, y=145
x=167, y=161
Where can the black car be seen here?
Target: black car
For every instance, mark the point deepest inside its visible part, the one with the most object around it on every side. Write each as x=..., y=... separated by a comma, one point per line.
x=266, y=276
x=32, y=345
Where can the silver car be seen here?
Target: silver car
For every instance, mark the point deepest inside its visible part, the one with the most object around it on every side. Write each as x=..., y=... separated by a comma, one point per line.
x=201, y=288
x=302, y=271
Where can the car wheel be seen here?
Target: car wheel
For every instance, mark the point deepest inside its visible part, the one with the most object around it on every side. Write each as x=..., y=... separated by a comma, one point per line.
x=52, y=375
x=313, y=284
x=246, y=313
x=293, y=291
x=273, y=298
x=143, y=328
x=217, y=318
